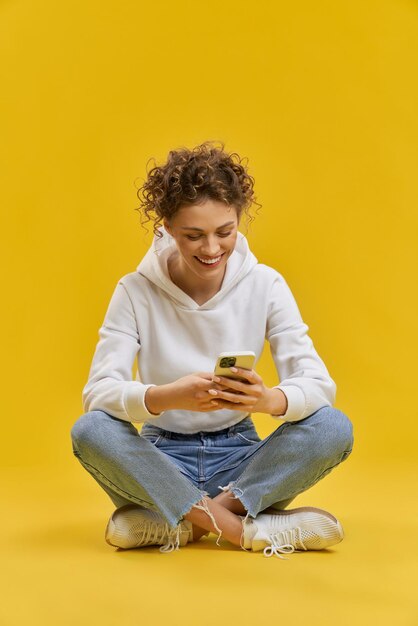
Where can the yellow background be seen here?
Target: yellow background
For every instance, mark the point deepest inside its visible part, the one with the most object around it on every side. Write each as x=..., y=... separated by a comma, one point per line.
x=322, y=99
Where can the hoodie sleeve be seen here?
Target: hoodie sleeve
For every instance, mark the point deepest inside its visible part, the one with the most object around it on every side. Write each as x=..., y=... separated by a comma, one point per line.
x=110, y=386
x=304, y=379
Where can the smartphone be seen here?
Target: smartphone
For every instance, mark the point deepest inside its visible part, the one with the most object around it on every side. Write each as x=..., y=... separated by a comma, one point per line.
x=234, y=359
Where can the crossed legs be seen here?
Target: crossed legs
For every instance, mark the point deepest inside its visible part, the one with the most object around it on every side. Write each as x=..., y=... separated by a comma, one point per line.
x=294, y=458
x=226, y=510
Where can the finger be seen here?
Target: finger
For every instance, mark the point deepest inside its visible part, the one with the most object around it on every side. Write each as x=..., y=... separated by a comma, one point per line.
x=218, y=386
x=233, y=406
x=232, y=397
x=208, y=384
x=250, y=375
x=206, y=375
x=233, y=384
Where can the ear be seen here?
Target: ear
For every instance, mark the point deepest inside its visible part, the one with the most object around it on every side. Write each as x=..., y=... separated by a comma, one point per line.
x=167, y=226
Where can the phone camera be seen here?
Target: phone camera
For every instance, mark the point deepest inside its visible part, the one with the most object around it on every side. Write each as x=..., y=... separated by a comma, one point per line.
x=227, y=361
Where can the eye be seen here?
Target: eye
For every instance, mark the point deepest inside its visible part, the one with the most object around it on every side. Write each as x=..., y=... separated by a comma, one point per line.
x=196, y=237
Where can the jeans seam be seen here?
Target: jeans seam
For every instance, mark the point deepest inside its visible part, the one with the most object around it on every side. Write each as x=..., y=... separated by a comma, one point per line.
x=111, y=484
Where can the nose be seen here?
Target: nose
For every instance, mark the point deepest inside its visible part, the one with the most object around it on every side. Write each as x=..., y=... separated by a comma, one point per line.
x=210, y=247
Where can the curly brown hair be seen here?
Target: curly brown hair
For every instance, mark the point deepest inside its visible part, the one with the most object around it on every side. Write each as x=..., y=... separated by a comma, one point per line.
x=191, y=177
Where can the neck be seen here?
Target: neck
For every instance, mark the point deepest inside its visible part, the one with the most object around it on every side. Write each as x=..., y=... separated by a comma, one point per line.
x=188, y=282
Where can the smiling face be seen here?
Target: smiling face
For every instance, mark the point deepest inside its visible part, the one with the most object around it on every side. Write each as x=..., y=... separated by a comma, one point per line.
x=205, y=236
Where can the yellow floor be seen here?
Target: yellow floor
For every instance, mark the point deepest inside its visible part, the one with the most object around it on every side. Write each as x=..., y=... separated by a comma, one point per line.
x=58, y=570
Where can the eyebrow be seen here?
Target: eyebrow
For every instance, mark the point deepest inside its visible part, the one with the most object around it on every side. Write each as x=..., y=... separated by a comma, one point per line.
x=201, y=229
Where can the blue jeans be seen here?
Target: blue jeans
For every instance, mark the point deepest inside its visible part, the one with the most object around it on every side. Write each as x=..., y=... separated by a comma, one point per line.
x=171, y=472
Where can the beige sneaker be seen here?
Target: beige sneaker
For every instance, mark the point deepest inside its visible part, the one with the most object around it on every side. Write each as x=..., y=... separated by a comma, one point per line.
x=305, y=528
x=132, y=526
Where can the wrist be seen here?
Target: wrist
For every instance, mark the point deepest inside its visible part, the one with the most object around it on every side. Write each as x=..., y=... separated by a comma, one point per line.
x=278, y=402
x=156, y=399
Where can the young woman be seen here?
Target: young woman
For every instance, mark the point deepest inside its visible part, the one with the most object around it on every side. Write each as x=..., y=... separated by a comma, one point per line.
x=198, y=464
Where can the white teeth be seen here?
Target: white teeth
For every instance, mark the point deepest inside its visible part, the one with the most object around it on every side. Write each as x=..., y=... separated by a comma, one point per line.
x=210, y=262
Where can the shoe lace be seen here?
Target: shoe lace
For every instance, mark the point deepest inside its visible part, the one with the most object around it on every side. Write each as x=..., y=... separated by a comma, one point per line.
x=285, y=541
x=173, y=538
x=155, y=532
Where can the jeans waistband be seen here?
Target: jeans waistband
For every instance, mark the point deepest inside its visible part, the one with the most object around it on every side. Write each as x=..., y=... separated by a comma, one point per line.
x=168, y=434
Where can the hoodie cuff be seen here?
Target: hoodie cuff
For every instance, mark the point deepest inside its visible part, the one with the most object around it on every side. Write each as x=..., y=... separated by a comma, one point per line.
x=134, y=401
x=295, y=403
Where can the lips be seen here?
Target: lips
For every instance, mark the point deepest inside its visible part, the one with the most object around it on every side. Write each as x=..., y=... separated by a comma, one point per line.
x=210, y=264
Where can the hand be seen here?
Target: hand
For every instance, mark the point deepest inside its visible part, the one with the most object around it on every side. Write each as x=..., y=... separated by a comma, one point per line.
x=188, y=392
x=251, y=396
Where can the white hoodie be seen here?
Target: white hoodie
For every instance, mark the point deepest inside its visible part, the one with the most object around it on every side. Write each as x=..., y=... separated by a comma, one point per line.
x=151, y=319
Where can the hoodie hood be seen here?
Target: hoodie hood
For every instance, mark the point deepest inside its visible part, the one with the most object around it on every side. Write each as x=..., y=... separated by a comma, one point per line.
x=154, y=267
